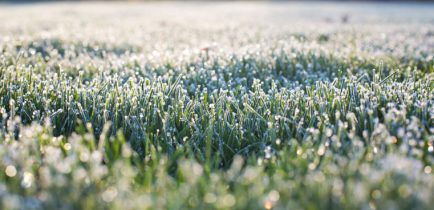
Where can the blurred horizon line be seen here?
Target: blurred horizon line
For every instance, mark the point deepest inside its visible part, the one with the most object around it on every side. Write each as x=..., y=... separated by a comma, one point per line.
x=24, y=1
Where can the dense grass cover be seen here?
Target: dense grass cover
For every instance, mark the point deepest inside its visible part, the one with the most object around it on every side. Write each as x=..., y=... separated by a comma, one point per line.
x=245, y=106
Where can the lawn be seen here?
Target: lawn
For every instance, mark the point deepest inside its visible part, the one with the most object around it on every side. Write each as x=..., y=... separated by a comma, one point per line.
x=216, y=106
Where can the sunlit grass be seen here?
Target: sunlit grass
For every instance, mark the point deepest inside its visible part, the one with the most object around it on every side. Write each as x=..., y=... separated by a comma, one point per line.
x=156, y=112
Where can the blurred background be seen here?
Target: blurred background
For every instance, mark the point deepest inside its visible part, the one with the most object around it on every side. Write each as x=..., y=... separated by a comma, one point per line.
x=23, y=1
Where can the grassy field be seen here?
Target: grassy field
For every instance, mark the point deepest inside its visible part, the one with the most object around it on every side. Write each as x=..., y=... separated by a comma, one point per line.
x=216, y=106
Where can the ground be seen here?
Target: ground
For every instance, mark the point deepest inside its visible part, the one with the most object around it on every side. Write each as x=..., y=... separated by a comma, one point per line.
x=216, y=106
